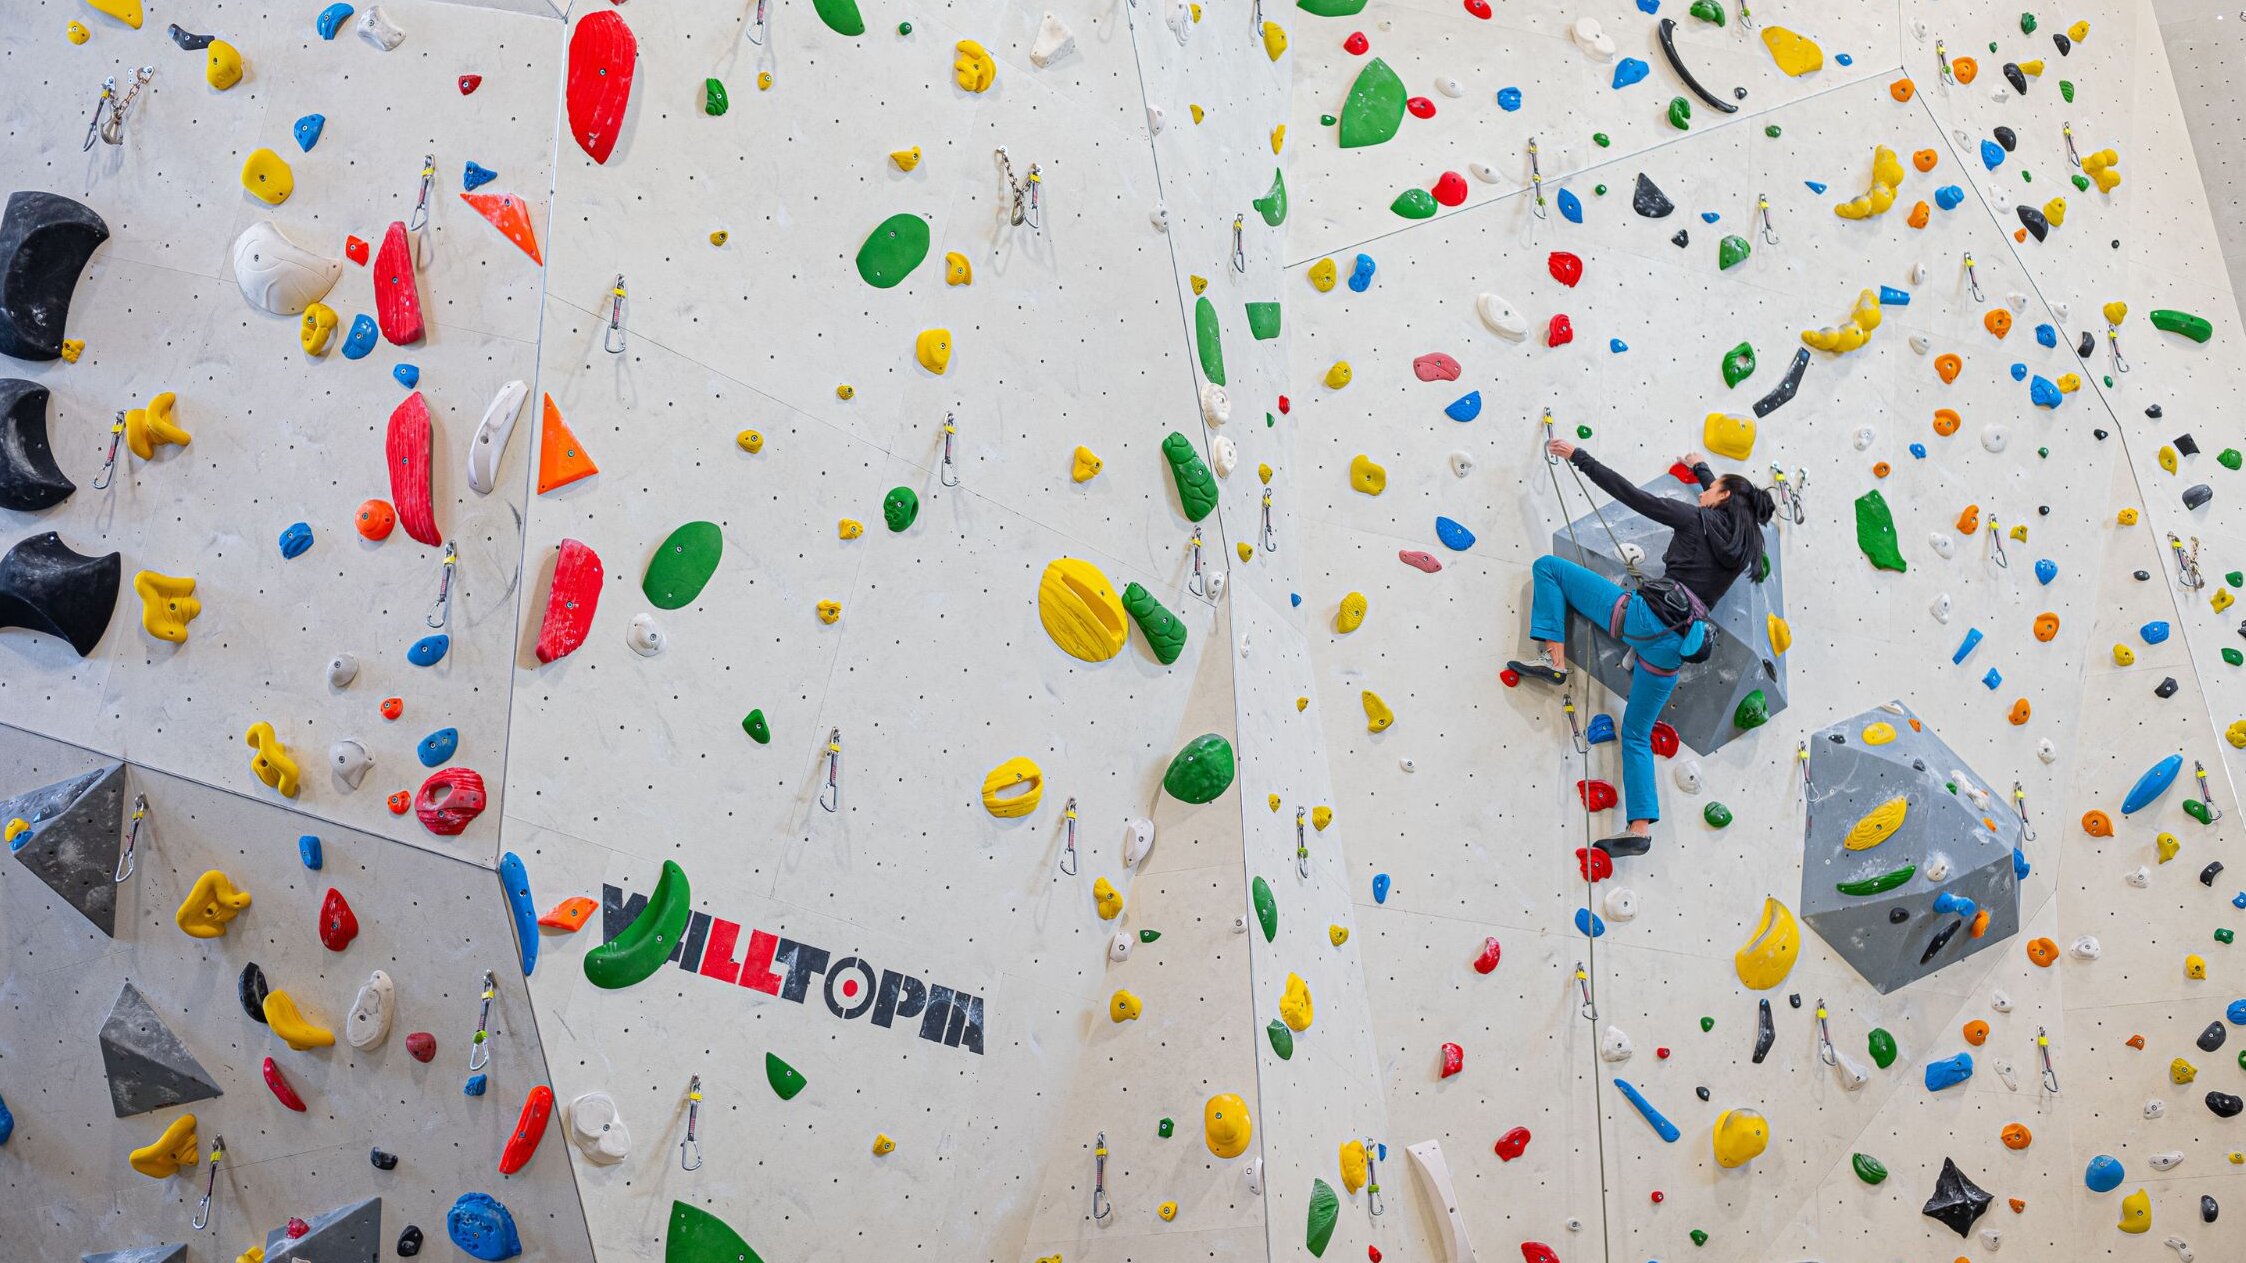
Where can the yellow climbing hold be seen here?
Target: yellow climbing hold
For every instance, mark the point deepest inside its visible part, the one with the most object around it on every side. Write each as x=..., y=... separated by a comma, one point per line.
x=1274, y=41
x=167, y=604
x=720, y=237
x=2127, y=517
x=749, y=441
x=1323, y=275
x=1353, y=1165
x=2195, y=967
x=1781, y=636
x=1766, y=958
x=256, y=1254
x=2221, y=600
x=1108, y=899
x=2181, y=1072
x=1367, y=477
x=933, y=349
x=1198, y=113
x=883, y=1145
x=2055, y=211
x=267, y=177
x=1080, y=610
x=849, y=528
x=2032, y=69
x=2079, y=32
x=72, y=348
x=222, y=65
x=76, y=32
x=764, y=81
x=1275, y=801
x=1878, y=734
x=1278, y=138
x=1013, y=788
x=2099, y=167
x=828, y=611
x=2166, y=846
x=1339, y=375
x=125, y=11
x=1226, y=1126
x=1199, y=282
x=1796, y=55
x=906, y=159
x=154, y=426
x=1168, y=1211
x=161, y=1158
x=1878, y=825
x=1086, y=466
x=315, y=330
x=2167, y=458
x=295, y=1030
x=972, y=68
x=1294, y=1004
x=2115, y=312
x=1337, y=934
x=1246, y=550
x=1739, y=1136
x=1887, y=175
x=957, y=270
x=211, y=902
x=2136, y=1213
x=1730, y=437
x=1123, y=1007
x=2123, y=655
x=1320, y=817
x=272, y=762
x=1377, y=714
x=1351, y=615
x=1862, y=320
x=1303, y=703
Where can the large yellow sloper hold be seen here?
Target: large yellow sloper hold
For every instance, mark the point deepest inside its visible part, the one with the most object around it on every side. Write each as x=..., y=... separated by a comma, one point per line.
x=222, y=65
x=1013, y=788
x=178, y=1147
x=1730, y=437
x=125, y=11
x=2136, y=1213
x=1354, y=1167
x=1887, y=176
x=1226, y=1126
x=972, y=67
x=933, y=349
x=1878, y=825
x=167, y=604
x=1781, y=636
x=1740, y=1135
x=1080, y=610
x=1851, y=335
x=210, y=904
x=1765, y=960
x=1294, y=1005
x=1274, y=40
x=1351, y=615
x=1795, y=54
x=295, y=1030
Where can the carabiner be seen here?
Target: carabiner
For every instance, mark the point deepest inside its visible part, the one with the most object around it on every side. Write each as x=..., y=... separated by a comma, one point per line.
x=1372, y=1178
x=1590, y=1009
x=1270, y=533
x=210, y=1184
x=755, y=34
x=108, y=122
x=419, y=219
x=1101, y=1206
x=1302, y=851
x=1545, y=443
x=2043, y=1047
x=479, y=1048
x=2187, y=562
x=1068, y=861
x=1027, y=207
x=1996, y=544
x=948, y=473
x=1239, y=246
x=2113, y=344
x=692, y=1145
x=2020, y=805
x=1536, y=181
x=1762, y=211
x=108, y=472
x=126, y=862
x=830, y=798
x=1942, y=58
x=612, y=341
x=1825, y=1052
x=440, y=612
x=2199, y=771
x=1567, y=705
x=1198, y=584
x=1973, y=280
x=1746, y=17
x=94, y=125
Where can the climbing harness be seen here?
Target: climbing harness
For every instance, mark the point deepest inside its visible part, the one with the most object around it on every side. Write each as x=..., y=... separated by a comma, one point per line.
x=692, y=1145
x=830, y=798
x=1028, y=206
x=1101, y=1206
x=1825, y=1051
x=1302, y=851
x=2020, y=805
x=1270, y=534
x=440, y=612
x=2187, y=562
x=2066, y=131
x=1590, y=1009
x=126, y=862
x=108, y=122
x=1973, y=280
x=1762, y=212
x=108, y=472
x=1787, y=492
x=1536, y=182
x=1239, y=245
x=1942, y=56
x=2214, y=813
x=755, y=34
x=1068, y=849
x=479, y=1048
x=1372, y=1178
x=948, y=472
x=1198, y=585
x=613, y=340
x=2043, y=1049
x=210, y=1184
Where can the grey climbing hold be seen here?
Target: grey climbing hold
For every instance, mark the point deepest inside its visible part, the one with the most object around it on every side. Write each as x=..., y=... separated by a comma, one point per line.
x=347, y=1234
x=140, y=1254
x=76, y=828
x=1648, y=199
x=148, y=1068
x=2198, y=495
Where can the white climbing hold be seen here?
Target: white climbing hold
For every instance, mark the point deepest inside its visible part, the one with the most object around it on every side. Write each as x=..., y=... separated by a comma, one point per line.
x=1991, y=1238
x=2001, y=1001
x=1240, y=924
x=2059, y=311
x=2005, y=1073
x=1216, y=405
x=278, y=276
x=1994, y=438
x=1614, y=1046
x=1119, y=947
x=1449, y=86
x=1179, y=19
x=2140, y=877
x=1407, y=764
x=1501, y=317
x=489, y=447
x=1919, y=272
x=1461, y=464
x=2046, y=751
x=1153, y=119
x=1215, y=582
x=1633, y=555
x=376, y=28
x=350, y=761
x=1851, y=1074
x=1592, y=38
x=2087, y=947
x=2155, y=1107
x=2183, y=1251
x=1943, y=543
x=645, y=638
x=1687, y=776
x=1921, y=343
x=2168, y=1161
x=342, y=669
x=369, y=1019
x=1937, y=868
x=1865, y=437
x=2016, y=300
x=1255, y=1177
x=1486, y=172
x=1138, y=839
x=1940, y=607
x=597, y=1128
x=1622, y=904
x=1053, y=43
x=1224, y=455
x=1159, y=217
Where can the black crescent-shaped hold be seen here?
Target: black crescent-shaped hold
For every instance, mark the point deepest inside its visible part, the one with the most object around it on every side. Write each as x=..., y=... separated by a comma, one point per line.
x=250, y=987
x=29, y=478
x=45, y=240
x=1783, y=392
x=47, y=587
x=1676, y=63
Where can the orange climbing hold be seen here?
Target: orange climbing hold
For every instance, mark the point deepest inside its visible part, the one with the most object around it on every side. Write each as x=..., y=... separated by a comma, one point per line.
x=2046, y=625
x=562, y=460
x=1980, y=926
x=1919, y=215
x=1969, y=521
x=511, y=217
x=1965, y=68
x=1976, y=1032
x=1998, y=322
x=2042, y=951
x=1925, y=160
x=1947, y=366
x=1880, y=470
x=2016, y=1136
x=1902, y=89
x=2135, y=1041
x=1945, y=424
x=2019, y=717
x=2097, y=824
x=570, y=914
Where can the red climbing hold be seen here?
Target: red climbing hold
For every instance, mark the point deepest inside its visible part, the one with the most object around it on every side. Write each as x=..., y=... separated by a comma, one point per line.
x=397, y=302
x=1435, y=367
x=530, y=1128
x=1454, y=1060
x=1356, y=44
x=1595, y=864
x=338, y=924
x=1286, y=405
x=1418, y=560
x=1479, y=8
x=1596, y=795
x=400, y=803
x=1510, y=678
x=1372, y=1252
x=469, y=83
x=1420, y=107
x=1683, y=473
x=408, y=452
x=1560, y=332
x=1661, y=1054
x=1513, y=1144
x=602, y=51
x=1566, y=268
x=281, y=1088
x=355, y=250
x=392, y=707
x=571, y=601
x=1664, y=739
x=1488, y=959
x=422, y=1045
x=1538, y=1252
x=296, y=1228
x=1450, y=189
x=1659, y=1197
x=449, y=800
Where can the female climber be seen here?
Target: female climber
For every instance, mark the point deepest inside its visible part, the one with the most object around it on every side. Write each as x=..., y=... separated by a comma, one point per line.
x=1663, y=623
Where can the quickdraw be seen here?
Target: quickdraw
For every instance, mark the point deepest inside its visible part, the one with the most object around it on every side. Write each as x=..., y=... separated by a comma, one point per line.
x=2214, y=813
x=1068, y=862
x=420, y=217
x=1787, y=491
x=210, y=1184
x=948, y=472
x=1101, y=1206
x=2020, y=805
x=108, y=122
x=830, y=797
x=691, y=1147
x=1302, y=850
x=479, y=1048
x=1996, y=544
x=1762, y=212
x=1028, y=207
x=1373, y=1204
x=1942, y=58
x=2043, y=1049
x=126, y=862
x=1239, y=245
x=440, y=611
x=2066, y=131
x=1536, y=183
x=1270, y=534
x=1198, y=584
x=2113, y=345
x=1973, y=280
x=612, y=340
x=1590, y=1009
x=2187, y=562
x=108, y=472
x=757, y=29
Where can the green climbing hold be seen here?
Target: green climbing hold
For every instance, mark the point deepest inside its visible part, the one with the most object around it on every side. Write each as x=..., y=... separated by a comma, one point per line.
x=1148, y=936
x=1325, y=1208
x=1732, y=251
x=682, y=565
x=1772, y=131
x=1716, y=814
x=1164, y=631
x=1875, y=532
x=1699, y=1237
x=635, y=954
x=2197, y=810
x=2043, y=453
x=1326, y=120
x=2236, y=578
x=2233, y=657
x=1263, y=321
x=1209, y=339
x=1197, y=487
x=1753, y=711
x=714, y=99
x=1375, y=108
x=2081, y=183
x=785, y=1079
x=1739, y=364
x=1267, y=908
x=1201, y=771
x=2066, y=89
x=841, y=17
x=900, y=508
x=1282, y=1039
x=1868, y=1168
x=1414, y=204
x=1680, y=114
x=1165, y=1129
x=1879, y=885
x=754, y=725
x=1331, y=8
x=2223, y=936
x=1583, y=431
x=697, y=1236
x=1707, y=11
x=904, y=28
x=892, y=250
x=1273, y=205
x=1707, y=1024
x=1883, y=1047
x=1599, y=190
x=2230, y=459
x=2194, y=327
x=2027, y=24
x=1600, y=139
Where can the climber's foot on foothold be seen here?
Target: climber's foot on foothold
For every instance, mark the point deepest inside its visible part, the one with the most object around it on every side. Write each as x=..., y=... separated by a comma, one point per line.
x=1625, y=844
x=1538, y=669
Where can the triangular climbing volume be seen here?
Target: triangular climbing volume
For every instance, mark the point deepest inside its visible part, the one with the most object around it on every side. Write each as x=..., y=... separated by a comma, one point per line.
x=510, y=216
x=562, y=460
x=347, y=1234
x=148, y=1067
x=73, y=830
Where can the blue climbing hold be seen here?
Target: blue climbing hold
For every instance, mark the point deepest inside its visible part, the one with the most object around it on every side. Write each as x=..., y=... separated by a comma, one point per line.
x=1588, y=922
x=1966, y=646
x=2019, y=372
x=1380, y=888
x=1509, y=99
x=307, y=131
x=7, y=1123
x=1949, y=196
x=515, y=880
x=1649, y=6
x=1845, y=59
x=438, y=746
x=360, y=341
x=1992, y=154
x=1601, y=730
x=308, y=849
x=2019, y=864
x=1816, y=186
x=2104, y=1173
x=2046, y=570
x=1630, y=70
x=1947, y=904
x=1709, y=217
x=1660, y=1123
x=1294, y=599
x=429, y=650
x=1466, y=407
x=2236, y=1013
x=475, y=176
x=475, y=1085
x=2046, y=335
x=331, y=20
x=1889, y=296
x=1616, y=346
x=1992, y=680
x=1361, y=276
x=295, y=540
x=2154, y=632
x=1948, y=1073
x=2239, y=900
x=1571, y=207
x=482, y=1228
x=2152, y=784
x=408, y=375
x=1919, y=450
x=2044, y=393
x=1454, y=535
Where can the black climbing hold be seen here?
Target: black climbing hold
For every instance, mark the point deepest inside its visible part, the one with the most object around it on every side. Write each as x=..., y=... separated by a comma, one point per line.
x=2153, y=410
x=1766, y=1034
x=2197, y=495
x=1794, y=1000
x=1676, y=63
x=1648, y=200
x=1838, y=739
x=1897, y=916
x=29, y=478
x=1702, y=1093
x=2166, y=688
x=1784, y=391
x=2084, y=348
x=2212, y=1038
x=189, y=40
x=45, y=240
x=2208, y=874
x=1940, y=941
x=45, y=586
x=1681, y=240
x=147, y=1065
x=2100, y=435
x=2060, y=41
x=2017, y=77
x=2008, y=138
x=1740, y=93
x=409, y=1241
x=2032, y=219
x=2224, y=1104
x=1957, y=1201
x=251, y=989
x=2141, y=575
x=2208, y=1209
x=76, y=828
x=2043, y=510
x=2186, y=445
x=383, y=1161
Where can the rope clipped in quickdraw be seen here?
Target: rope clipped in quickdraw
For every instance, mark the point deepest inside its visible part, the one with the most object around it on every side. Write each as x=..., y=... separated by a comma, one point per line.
x=690, y=1149
x=479, y=1048
x=830, y=797
x=2187, y=562
x=1068, y=849
x=1302, y=850
x=612, y=340
x=108, y=122
x=210, y=1184
x=126, y=861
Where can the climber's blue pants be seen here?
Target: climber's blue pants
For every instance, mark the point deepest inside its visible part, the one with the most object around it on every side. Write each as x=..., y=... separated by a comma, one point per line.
x=1561, y=584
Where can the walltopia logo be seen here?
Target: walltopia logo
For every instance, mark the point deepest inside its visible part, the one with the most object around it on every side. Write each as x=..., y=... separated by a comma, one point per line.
x=851, y=987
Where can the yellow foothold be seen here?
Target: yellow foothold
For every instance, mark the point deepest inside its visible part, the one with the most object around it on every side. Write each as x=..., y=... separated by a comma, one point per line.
x=2055, y=211
x=1351, y=615
x=1198, y=282
x=154, y=426
x=1274, y=41
x=2116, y=311
x=1367, y=477
x=1781, y=636
x=222, y=65
x=1080, y=611
x=957, y=270
x=2167, y=458
x=211, y=902
x=1377, y=715
x=1766, y=958
x=1108, y=899
x=2136, y=1213
x=178, y=1147
x=16, y=829
x=764, y=81
x=1338, y=376
x=1246, y=550
x=128, y=11
x=1168, y=1211
x=1085, y=467
x=1013, y=788
x=1878, y=825
x=72, y=348
x=1294, y=1004
x=846, y=391
x=167, y=604
x=267, y=177
x=883, y=1145
x=2123, y=655
x=2236, y=734
x=2195, y=967
x=1303, y=703
x=2166, y=846
x=906, y=159
x=315, y=330
x=2032, y=69
x=1320, y=817
x=720, y=237
x=972, y=68
x=829, y=612
x=2221, y=600
x=1196, y=11
x=849, y=528
x=1353, y=1165
x=1275, y=802
x=933, y=349
x=1263, y=474
x=1796, y=55
x=1323, y=275
x=2019, y=532
x=2079, y=32
x=1730, y=437
x=76, y=32
x=295, y=1030
x=1198, y=113
x=1878, y=734
x=1226, y=1126
x=2181, y=1071
x=2127, y=517
x=1278, y=138
x=1740, y=1135
x=255, y=1254
x=1123, y=1007
x=272, y=762
x=750, y=441
x=1337, y=934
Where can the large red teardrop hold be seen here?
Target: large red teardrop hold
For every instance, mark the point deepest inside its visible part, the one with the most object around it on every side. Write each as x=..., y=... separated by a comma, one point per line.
x=338, y=924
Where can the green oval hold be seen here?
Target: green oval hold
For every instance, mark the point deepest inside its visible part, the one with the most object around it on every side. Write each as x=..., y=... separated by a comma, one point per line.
x=1716, y=814
x=1738, y=362
x=1868, y=1168
x=714, y=98
x=1879, y=885
x=900, y=508
x=842, y=17
x=1201, y=771
x=1375, y=108
x=784, y=1078
x=1753, y=711
x=892, y=250
x=1267, y=908
x=697, y=1236
x=683, y=564
x=1680, y=114
x=1208, y=339
x=1414, y=204
x=2196, y=809
x=1282, y=1039
x=1325, y=1209
x=1883, y=1047
x=754, y=725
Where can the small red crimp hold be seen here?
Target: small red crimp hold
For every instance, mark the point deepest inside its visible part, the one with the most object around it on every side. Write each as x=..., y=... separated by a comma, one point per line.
x=1513, y=1144
x=1286, y=405
x=1487, y=960
x=1538, y=1252
x=296, y=1228
x=1420, y=107
x=1565, y=268
x=392, y=707
x=469, y=83
x=355, y=250
x=401, y=802
x=449, y=800
x=1510, y=677
x=338, y=924
x=1661, y=1053
x=1659, y=1197
x=1683, y=473
x=1372, y=1252
x=422, y=1045
x=1356, y=44
x=1454, y=1060
x=280, y=1085
x=530, y=1128
x=1479, y=8
x=1419, y=560
x=571, y=601
x=1560, y=332
x=1596, y=795
x=1593, y=863
x=1664, y=739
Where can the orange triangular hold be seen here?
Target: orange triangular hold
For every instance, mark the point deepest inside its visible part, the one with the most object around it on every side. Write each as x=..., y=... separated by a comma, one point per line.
x=508, y=214
x=562, y=460
x=570, y=914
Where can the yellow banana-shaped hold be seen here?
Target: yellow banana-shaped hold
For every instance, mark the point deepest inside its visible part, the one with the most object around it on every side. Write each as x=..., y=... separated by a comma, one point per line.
x=1852, y=335
x=1878, y=825
x=211, y=902
x=292, y=1026
x=1887, y=175
x=272, y=762
x=178, y=1147
x=1768, y=957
